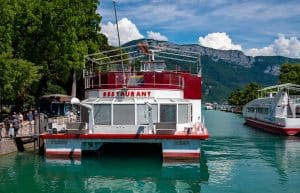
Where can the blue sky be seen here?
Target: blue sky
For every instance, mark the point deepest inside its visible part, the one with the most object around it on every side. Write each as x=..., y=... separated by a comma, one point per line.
x=257, y=27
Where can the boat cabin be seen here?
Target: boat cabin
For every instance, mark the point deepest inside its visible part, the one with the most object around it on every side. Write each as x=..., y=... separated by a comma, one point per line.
x=130, y=115
x=55, y=104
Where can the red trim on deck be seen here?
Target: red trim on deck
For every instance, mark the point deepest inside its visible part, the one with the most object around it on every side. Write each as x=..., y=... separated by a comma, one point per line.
x=272, y=127
x=120, y=136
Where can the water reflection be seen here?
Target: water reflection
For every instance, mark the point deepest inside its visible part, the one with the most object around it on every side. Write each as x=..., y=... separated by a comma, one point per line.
x=238, y=155
x=100, y=174
x=281, y=153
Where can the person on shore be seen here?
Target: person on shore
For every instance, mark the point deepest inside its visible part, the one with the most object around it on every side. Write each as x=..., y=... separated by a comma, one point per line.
x=1, y=127
x=16, y=124
x=11, y=132
x=7, y=126
x=30, y=119
x=20, y=116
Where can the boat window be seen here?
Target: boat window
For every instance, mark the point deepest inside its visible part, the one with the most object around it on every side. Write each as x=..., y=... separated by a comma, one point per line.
x=123, y=114
x=142, y=114
x=168, y=113
x=298, y=111
x=154, y=113
x=191, y=113
x=84, y=114
x=262, y=110
x=102, y=114
x=183, y=113
x=250, y=109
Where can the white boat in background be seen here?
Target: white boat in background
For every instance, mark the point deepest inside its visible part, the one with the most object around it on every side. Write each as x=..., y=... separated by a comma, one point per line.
x=277, y=110
x=208, y=106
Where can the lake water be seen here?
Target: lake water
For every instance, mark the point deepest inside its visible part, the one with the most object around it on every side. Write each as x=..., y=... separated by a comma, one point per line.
x=236, y=158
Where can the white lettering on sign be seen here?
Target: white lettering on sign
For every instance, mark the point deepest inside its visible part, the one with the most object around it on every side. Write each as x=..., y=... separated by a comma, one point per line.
x=126, y=94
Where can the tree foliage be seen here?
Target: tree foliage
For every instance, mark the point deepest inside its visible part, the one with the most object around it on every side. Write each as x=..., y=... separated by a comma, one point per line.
x=42, y=44
x=290, y=73
x=241, y=97
x=17, y=77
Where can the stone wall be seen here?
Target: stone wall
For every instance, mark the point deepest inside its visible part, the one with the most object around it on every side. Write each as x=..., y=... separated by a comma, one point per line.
x=7, y=146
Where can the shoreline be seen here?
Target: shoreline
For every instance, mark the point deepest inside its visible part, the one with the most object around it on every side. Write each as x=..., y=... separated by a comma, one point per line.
x=8, y=146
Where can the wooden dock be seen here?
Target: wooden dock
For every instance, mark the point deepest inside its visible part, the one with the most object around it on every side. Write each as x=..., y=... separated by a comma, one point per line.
x=22, y=140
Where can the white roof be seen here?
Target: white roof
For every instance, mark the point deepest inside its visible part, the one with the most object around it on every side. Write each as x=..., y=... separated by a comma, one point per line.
x=288, y=86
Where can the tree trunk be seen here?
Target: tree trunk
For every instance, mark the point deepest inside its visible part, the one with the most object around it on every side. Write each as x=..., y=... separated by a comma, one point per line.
x=73, y=93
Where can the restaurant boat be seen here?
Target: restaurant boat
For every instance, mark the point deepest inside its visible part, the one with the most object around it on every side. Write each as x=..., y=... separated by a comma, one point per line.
x=136, y=94
x=277, y=110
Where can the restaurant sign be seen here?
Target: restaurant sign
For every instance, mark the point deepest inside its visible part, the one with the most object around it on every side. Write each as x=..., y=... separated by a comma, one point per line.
x=126, y=93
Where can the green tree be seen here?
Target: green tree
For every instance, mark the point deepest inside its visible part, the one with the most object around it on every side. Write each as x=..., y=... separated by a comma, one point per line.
x=46, y=39
x=73, y=31
x=290, y=73
x=17, y=80
x=17, y=72
x=243, y=96
x=6, y=26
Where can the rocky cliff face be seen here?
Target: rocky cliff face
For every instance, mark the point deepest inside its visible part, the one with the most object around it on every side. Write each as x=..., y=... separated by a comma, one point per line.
x=231, y=56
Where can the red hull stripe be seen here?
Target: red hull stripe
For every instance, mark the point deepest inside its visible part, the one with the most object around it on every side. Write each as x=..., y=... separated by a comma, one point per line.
x=180, y=155
x=62, y=154
x=121, y=136
x=272, y=128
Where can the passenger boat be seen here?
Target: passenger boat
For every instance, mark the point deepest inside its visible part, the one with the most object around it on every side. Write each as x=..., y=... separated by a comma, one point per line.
x=208, y=106
x=136, y=94
x=278, y=112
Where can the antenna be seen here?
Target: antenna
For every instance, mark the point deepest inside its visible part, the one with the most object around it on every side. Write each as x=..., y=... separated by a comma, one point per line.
x=121, y=54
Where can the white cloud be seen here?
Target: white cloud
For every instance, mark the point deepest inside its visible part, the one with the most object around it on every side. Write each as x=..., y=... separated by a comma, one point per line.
x=156, y=36
x=128, y=32
x=282, y=46
x=265, y=51
x=218, y=40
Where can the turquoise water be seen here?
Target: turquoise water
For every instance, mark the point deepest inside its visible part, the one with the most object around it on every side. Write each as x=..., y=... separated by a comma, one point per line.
x=236, y=158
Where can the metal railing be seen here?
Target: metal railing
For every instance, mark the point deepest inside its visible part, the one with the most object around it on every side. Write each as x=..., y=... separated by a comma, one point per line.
x=131, y=56
x=294, y=99
x=135, y=79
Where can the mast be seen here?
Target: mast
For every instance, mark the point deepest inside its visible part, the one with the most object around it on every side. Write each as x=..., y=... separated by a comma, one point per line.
x=121, y=54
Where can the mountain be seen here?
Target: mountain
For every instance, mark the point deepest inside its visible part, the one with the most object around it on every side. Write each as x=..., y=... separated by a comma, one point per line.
x=226, y=70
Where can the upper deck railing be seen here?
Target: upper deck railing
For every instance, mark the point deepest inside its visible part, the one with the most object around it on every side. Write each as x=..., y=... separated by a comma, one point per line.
x=165, y=79
x=140, y=65
x=271, y=91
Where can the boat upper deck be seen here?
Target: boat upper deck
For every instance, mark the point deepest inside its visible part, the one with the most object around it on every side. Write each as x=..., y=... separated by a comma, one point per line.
x=143, y=67
x=189, y=84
